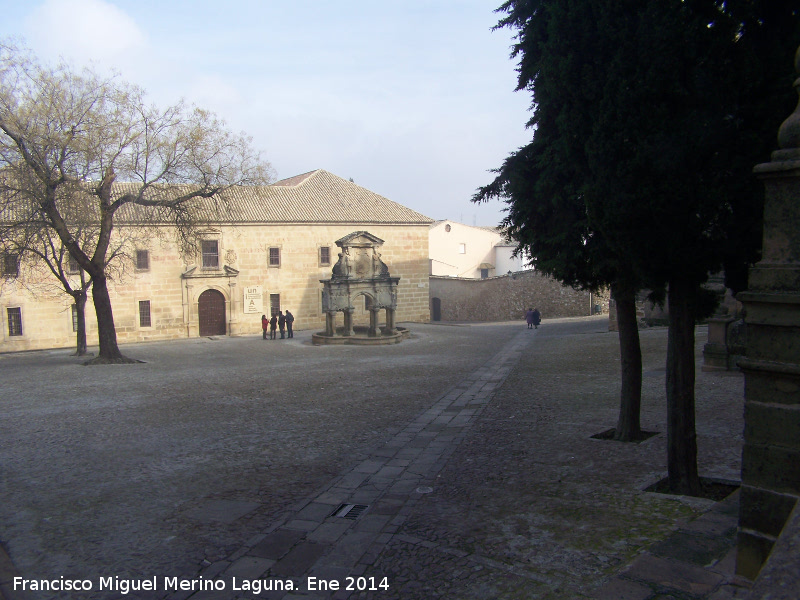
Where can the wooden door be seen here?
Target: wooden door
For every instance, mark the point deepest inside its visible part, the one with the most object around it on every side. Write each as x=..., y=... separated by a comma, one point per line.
x=211, y=313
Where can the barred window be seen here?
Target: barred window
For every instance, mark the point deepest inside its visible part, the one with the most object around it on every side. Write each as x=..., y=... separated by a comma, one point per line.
x=210, y=250
x=72, y=265
x=325, y=256
x=274, y=257
x=144, y=313
x=14, y=321
x=142, y=260
x=274, y=304
x=10, y=265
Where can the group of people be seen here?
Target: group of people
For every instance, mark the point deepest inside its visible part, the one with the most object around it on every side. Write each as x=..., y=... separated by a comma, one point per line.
x=280, y=322
x=533, y=317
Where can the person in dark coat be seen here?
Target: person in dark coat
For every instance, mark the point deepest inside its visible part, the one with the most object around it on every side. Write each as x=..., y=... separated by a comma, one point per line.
x=282, y=324
x=537, y=318
x=529, y=318
x=289, y=321
x=264, y=326
x=273, y=326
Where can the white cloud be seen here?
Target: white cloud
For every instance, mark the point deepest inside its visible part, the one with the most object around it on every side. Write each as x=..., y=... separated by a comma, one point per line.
x=84, y=30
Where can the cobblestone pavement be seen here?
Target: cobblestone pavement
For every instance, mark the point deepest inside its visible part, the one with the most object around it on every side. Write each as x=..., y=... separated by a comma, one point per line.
x=465, y=454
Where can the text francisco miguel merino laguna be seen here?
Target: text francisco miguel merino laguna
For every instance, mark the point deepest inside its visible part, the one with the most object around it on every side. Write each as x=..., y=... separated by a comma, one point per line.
x=255, y=586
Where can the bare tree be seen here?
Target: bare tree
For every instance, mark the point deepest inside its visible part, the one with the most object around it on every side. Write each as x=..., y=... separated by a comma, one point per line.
x=76, y=147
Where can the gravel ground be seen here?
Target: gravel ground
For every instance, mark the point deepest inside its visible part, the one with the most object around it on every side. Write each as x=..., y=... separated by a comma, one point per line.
x=131, y=470
x=138, y=469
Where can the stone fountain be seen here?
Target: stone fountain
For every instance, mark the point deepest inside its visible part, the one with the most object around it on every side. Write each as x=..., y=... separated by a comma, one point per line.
x=360, y=272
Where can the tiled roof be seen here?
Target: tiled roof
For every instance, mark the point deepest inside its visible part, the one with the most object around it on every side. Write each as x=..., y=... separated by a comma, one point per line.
x=318, y=197
x=314, y=197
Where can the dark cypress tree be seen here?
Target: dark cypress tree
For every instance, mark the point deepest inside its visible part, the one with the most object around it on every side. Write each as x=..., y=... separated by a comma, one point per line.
x=648, y=117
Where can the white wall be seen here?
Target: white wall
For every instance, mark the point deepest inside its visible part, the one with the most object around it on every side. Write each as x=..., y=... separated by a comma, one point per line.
x=458, y=250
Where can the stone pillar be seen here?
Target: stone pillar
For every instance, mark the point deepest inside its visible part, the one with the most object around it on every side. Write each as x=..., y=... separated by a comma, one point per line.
x=190, y=315
x=373, y=322
x=348, y=322
x=330, y=323
x=771, y=454
x=234, y=325
x=390, y=327
x=715, y=352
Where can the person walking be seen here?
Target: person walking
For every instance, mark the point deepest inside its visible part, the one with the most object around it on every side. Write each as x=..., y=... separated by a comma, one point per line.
x=282, y=324
x=264, y=326
x=537, y=318
x=289, y=321
x=529, y=318
x=273, y=325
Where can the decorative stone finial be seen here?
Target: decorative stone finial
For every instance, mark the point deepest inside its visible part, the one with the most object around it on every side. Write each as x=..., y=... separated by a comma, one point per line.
x=789, y=132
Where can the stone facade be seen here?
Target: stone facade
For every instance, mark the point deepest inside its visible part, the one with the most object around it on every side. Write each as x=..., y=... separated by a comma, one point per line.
x=507, y=298
x=244, y=276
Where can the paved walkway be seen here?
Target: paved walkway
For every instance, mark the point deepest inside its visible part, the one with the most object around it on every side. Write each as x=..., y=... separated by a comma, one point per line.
x=335, y=536
x=497, y=490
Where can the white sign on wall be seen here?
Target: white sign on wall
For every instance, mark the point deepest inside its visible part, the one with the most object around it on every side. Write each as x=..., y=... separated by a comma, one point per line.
x=253, y=299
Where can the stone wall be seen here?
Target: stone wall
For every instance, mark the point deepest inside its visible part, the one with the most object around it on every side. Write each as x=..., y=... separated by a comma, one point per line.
x=243, y=262
x=507, y=298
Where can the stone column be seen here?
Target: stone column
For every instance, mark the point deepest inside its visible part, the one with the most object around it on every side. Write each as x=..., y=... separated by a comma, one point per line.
x=771, y=454
x=373, y=321
x=234, y=325
x=348, y=322
x=715, y=352
x=330, y=323
x=390, y=327
x=192, y=327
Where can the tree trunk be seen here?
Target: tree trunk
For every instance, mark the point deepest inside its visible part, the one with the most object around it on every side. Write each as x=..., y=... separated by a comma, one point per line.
x=681, y=436
x=630, y=402
x=80, y=336
x=107, y=335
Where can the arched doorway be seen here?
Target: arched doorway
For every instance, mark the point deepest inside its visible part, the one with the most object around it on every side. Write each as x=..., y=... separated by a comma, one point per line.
x=211, y=313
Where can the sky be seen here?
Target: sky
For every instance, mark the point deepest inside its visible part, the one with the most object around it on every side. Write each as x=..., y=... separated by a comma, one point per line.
x=413, y=100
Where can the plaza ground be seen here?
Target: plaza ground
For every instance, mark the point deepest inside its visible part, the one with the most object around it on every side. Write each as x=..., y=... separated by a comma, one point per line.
x=469, y=445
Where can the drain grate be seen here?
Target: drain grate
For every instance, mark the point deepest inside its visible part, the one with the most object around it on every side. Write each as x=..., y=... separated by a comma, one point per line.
x=350, y=511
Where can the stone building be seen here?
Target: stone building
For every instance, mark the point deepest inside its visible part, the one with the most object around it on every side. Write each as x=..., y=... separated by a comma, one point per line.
x=269, y=253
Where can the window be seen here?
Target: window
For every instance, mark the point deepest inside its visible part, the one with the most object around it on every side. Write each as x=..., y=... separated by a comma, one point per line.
x=75, y=317
x=72, y=265
x=462, y=248
x=274, y=304
x=14, y=321
x=144, y=313
x=447, y=228
x=210, y=250
x=274, y=257
x=143, y=260
x=324, y=256
x=10, y=265
x=367, y=302
x=484, y=273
